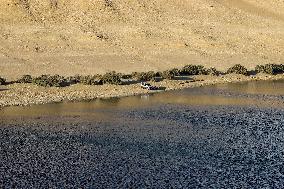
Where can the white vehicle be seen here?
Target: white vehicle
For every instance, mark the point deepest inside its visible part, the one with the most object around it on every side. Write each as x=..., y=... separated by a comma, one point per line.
x=148, y=86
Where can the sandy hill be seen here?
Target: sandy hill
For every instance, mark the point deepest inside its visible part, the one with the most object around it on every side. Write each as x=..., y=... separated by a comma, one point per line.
x=95, y=36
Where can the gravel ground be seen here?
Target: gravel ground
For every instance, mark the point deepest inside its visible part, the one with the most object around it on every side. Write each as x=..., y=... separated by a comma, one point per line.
x=167, y=146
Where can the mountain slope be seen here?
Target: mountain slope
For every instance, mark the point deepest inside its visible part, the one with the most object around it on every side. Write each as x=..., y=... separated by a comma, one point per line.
x=87, y=37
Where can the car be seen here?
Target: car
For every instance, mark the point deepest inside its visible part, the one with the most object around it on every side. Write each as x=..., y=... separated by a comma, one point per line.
x=148, y=86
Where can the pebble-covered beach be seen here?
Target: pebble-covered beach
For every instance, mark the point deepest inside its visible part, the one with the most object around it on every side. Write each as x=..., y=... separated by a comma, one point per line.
x=162, y=145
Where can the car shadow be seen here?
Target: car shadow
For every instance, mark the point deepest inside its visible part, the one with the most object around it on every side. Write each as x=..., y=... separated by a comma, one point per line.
x=183, y=78
x=129, y=81
x=162, y=88
x=4, y=90
x=252, y=73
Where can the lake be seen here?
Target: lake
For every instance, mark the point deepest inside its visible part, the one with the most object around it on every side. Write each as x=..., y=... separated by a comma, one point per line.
x=221, y=136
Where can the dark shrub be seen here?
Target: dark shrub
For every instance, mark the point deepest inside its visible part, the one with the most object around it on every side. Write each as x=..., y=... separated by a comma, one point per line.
x=134, y=75
x=108, y=3
x=193, y=70
x=151, y=75
x=169, y=74
x=175, y=71
x=71, y=80
x=25, y=79
x=144, y=76
x=260, y=69
x=112, y=78
x=91, y=80
x=270, y=69
x=50, y=81
x=238, y=69
x=159, y=74
x=2, y=81
x=213, y=71
x=126, y=76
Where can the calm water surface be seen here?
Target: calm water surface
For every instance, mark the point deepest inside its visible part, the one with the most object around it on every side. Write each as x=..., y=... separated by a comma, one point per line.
x=223, y=136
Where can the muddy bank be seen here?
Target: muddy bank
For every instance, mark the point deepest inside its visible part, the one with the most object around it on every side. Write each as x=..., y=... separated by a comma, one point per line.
x=28, y=94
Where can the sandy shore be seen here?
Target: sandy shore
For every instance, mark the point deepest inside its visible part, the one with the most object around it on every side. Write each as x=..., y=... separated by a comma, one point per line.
x=29, y=94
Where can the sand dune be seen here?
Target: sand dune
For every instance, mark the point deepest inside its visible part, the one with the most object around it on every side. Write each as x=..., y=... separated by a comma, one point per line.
x=87, y=37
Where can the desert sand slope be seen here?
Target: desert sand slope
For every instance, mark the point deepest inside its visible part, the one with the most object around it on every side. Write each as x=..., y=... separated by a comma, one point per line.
x=94, y=36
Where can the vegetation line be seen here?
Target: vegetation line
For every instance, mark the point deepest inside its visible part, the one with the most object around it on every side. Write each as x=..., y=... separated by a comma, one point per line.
x=118, y=78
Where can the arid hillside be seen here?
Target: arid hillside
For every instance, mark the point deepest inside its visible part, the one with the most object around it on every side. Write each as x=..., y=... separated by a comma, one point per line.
x=94, y=36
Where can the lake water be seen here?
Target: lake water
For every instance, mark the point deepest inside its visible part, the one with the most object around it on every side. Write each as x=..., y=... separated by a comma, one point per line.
x=222, y=136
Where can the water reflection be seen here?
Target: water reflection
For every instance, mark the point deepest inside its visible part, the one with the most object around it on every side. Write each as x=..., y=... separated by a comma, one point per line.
x=256, y=87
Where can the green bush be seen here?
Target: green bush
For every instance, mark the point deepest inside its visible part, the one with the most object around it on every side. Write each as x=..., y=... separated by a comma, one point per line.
x=169, y=74
x=193, y=70
x=270, y=69
x=213, y=71
x=50, y=81
x=238, y=69
x=25, y=79
x=2, y=81
x=112, y=78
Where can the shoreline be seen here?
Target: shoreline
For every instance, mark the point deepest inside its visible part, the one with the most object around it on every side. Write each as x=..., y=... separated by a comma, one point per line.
x=30, y=94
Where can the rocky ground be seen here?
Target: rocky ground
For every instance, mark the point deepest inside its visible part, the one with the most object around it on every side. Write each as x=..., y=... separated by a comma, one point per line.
x=27, y=94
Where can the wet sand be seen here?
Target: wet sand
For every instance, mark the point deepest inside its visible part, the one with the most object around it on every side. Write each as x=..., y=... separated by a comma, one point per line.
x=159, y=140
